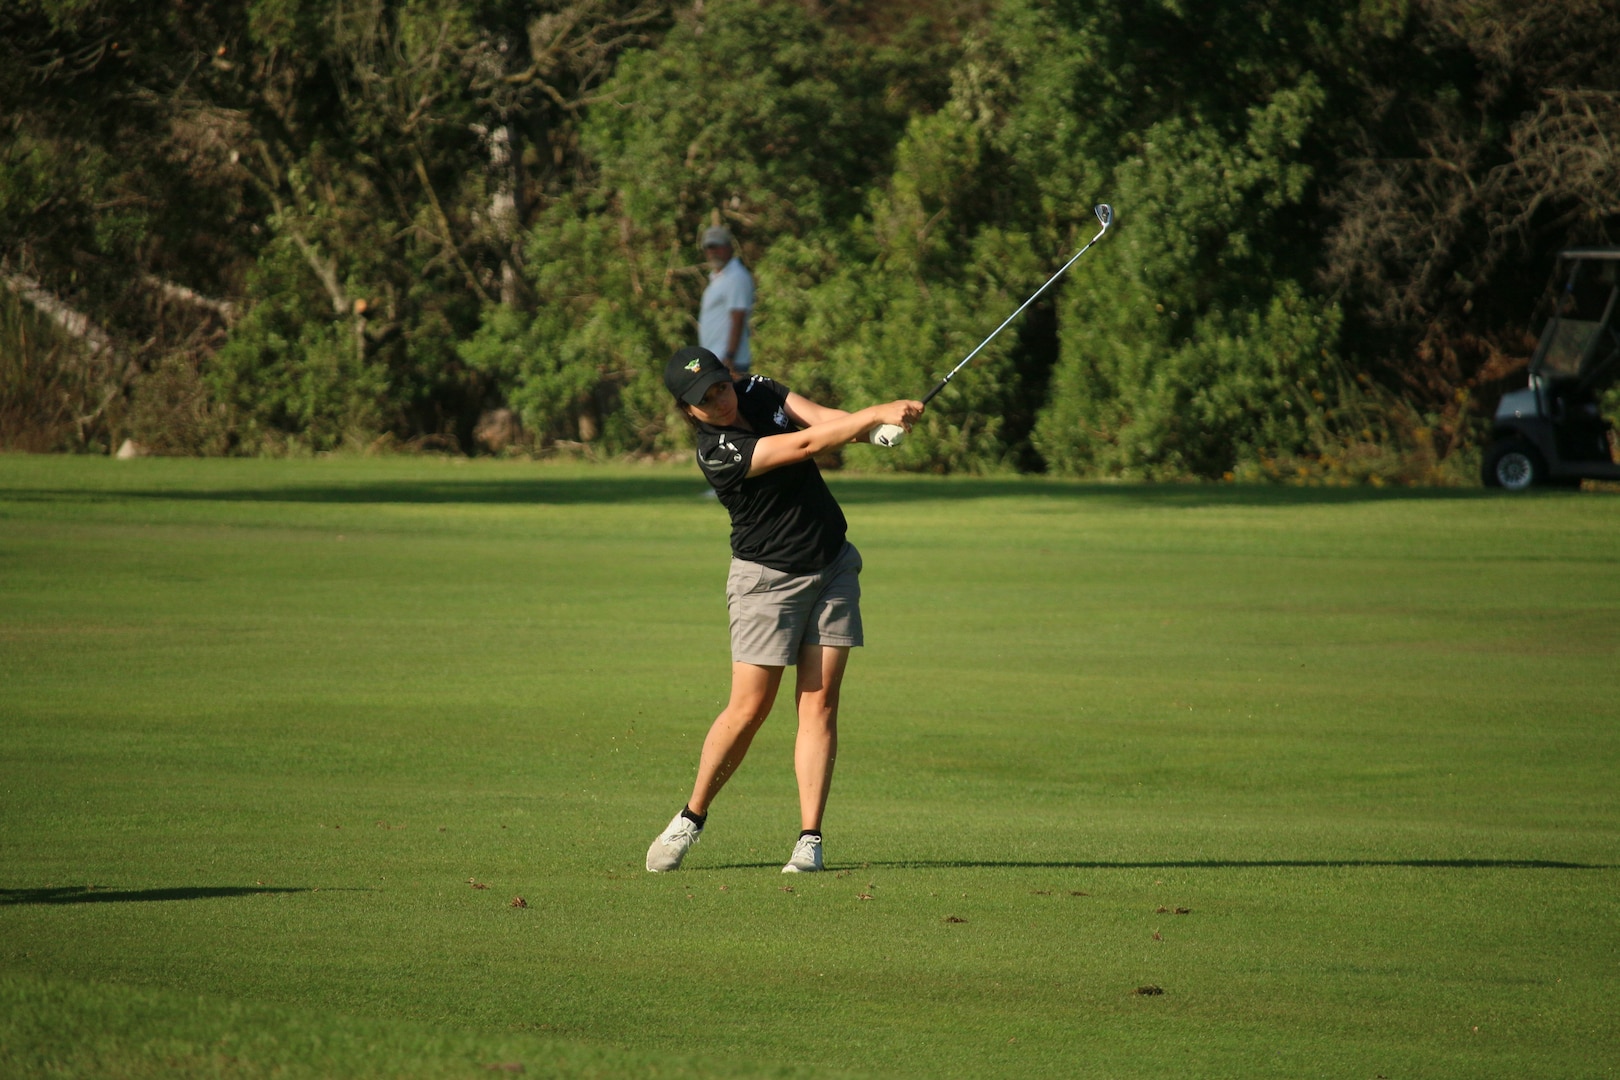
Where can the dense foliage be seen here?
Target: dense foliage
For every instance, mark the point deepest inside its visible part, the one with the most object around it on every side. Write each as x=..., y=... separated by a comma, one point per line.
x=271, y=225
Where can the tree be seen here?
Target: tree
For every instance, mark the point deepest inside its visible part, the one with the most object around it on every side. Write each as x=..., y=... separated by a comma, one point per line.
x=365, y=119
x=1484, y=141
x=113, y=224
x=782, y=147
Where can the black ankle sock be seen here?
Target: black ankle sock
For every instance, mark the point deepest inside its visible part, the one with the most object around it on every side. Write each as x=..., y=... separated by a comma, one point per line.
x=696, y=819
x=810, y=832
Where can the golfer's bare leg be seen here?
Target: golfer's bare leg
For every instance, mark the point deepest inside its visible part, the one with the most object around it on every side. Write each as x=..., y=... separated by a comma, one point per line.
x=821, y=672
x=753, y=690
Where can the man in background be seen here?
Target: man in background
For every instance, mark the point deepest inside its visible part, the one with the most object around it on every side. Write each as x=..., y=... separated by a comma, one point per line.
x=727, y=302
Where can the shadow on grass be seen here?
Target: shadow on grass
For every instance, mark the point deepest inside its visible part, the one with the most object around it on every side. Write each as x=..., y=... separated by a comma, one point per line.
x=1201, y=864
x=89, y=894
x=850, y=489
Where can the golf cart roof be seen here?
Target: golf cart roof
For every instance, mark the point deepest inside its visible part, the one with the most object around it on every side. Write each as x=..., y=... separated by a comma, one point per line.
x=1579, y=341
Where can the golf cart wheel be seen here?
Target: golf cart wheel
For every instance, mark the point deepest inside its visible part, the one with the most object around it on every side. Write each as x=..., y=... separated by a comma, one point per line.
x=1513, y=464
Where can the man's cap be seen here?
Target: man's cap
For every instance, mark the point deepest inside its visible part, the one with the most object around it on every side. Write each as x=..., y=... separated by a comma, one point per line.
x=716, y=235
x=691, y=371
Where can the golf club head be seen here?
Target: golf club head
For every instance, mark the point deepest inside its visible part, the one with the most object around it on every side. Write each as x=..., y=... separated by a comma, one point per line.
x=1105, y=214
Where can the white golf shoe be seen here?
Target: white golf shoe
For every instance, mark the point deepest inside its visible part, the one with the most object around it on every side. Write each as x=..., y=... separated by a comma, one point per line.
x=806, y=856
x=672, y=844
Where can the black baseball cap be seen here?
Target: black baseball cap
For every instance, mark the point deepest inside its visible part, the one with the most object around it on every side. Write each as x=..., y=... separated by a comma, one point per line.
x=691, y=371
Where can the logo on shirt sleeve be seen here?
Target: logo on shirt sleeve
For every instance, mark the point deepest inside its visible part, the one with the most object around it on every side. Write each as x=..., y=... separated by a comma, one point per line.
x=725, y=453
x=780, y=418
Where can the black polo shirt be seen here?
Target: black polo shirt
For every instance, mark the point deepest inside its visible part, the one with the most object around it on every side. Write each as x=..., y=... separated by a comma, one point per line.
x=785, y=518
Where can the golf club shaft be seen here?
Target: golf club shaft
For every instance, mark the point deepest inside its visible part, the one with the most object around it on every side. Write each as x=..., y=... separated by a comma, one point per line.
x=1020, y=311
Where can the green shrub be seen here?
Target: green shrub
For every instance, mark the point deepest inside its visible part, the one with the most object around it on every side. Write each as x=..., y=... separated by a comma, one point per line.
x=295, y=376
x=1184, y=351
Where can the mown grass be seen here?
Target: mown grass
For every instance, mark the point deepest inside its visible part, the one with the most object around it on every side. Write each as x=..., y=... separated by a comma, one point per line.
x=267, y=723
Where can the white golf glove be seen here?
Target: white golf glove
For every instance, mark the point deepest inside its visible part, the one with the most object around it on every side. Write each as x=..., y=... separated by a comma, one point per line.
x=886, y=435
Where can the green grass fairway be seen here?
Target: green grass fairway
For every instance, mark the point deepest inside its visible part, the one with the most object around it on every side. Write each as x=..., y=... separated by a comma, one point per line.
x=268, y=729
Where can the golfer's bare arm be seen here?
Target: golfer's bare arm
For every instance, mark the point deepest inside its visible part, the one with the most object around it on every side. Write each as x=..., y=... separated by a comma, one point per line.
x=806, y=413
x=827, y=428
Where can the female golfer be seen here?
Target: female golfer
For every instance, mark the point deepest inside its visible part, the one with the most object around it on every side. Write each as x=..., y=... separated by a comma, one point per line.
x=793, y=591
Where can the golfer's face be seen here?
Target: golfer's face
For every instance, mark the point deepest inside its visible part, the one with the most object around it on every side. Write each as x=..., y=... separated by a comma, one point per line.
x=719, y=254
x=719, y=406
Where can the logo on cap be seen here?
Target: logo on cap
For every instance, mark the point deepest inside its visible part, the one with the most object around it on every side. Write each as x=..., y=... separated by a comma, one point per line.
x=694, y=364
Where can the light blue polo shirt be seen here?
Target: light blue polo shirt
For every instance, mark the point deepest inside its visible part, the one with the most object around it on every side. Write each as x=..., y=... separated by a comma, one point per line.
x=731, y=289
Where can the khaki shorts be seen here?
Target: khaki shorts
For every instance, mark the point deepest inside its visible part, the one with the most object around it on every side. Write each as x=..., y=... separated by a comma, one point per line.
x=773, y=612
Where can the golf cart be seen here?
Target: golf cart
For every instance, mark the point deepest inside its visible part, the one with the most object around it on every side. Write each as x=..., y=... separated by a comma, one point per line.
x=1552, y=432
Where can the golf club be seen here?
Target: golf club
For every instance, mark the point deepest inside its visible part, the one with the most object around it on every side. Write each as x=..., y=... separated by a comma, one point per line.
x=891, y=434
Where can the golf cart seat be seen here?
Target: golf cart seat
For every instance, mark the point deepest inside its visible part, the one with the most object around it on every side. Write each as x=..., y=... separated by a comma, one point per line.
x=1553, y=431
